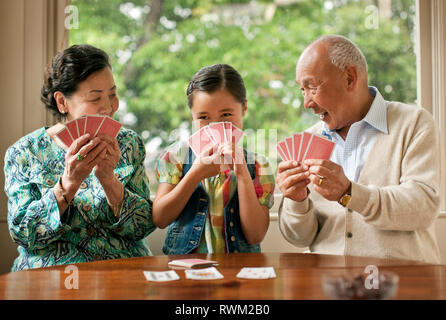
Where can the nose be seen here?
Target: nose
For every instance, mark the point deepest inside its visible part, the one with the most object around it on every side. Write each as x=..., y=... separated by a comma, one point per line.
x=308, y=102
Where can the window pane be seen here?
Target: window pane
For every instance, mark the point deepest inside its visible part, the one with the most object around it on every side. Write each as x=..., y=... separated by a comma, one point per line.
x=156, y=46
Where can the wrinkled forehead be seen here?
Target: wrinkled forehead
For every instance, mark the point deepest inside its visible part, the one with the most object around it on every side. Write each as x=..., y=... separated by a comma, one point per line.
x=312, y=63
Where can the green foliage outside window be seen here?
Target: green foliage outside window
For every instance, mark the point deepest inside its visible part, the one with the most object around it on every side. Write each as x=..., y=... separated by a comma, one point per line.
x=155, y=53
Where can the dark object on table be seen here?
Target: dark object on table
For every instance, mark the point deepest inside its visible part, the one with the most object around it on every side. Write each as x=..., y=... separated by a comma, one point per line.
x=353, y=286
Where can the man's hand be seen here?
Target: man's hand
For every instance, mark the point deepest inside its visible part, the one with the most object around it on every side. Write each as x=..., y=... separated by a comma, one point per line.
x=292, y=179
x=328, y=178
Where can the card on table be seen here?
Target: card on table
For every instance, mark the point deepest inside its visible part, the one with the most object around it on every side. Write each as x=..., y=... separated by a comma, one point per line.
x=109, y=127
x=192, y=263
x=201, y=140
x=203, y=274
x=257, y=273
x=159, y=276
x=65, y=136
x=319, y=148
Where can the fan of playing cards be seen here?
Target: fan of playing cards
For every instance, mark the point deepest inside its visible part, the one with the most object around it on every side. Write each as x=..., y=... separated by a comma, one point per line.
x=213, y=134
x=302, y=146
x=92, y=124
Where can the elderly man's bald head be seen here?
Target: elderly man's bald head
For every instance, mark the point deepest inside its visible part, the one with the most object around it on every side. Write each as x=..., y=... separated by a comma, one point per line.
x=339, y=50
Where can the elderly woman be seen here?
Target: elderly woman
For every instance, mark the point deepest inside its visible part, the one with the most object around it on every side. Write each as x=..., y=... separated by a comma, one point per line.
x=89, y=201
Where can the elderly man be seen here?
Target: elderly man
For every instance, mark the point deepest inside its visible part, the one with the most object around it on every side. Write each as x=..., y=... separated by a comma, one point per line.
x=378, y=195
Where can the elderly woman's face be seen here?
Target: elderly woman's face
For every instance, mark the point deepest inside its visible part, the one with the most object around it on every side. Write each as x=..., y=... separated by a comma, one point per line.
x=94, y=95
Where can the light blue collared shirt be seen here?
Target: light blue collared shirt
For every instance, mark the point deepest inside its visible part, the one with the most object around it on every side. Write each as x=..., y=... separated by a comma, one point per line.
x=352, y=153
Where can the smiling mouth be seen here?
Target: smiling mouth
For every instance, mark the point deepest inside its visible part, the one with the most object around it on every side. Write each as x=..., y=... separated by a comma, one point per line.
x=322, y=115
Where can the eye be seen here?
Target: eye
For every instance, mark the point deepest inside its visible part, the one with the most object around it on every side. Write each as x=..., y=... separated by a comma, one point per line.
x=203, y=117
x=95, y=99
x=227, y=114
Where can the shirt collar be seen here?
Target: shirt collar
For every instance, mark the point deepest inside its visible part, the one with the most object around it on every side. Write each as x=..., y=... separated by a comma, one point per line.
x=376, y=117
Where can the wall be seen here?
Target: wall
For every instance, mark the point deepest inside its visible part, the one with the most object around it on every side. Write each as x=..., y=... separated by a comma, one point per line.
x=31, y=32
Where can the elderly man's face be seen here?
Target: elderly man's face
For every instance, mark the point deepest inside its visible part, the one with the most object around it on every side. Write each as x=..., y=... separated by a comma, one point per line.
x=322, y=85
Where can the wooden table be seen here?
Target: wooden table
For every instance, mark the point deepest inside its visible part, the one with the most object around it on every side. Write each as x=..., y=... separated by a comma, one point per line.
x=298, y=277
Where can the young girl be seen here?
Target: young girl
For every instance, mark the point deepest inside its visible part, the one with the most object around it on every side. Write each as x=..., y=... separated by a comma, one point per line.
x=213, y=208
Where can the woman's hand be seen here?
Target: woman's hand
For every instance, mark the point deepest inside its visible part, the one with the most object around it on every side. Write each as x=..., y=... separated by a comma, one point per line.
x=91, y=152
x=104, y=169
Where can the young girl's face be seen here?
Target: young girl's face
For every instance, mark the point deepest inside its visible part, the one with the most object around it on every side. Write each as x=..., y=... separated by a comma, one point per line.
x=217, y=106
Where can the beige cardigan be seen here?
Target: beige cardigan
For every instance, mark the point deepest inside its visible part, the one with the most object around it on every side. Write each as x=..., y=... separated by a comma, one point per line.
x=394, y=204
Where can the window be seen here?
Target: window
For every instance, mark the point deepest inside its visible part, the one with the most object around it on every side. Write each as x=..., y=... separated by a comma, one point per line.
x=156, y=47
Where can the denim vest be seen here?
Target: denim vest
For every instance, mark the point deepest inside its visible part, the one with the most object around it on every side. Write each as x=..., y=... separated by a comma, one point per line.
x=184, y=234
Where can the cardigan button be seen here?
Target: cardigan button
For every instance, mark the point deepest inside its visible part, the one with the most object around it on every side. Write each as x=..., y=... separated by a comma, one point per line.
x=232, y=210
x=232, y=238
x=83, y=185
x=197, y=228
x=349, y=234
x=86, y=207
x=231, y=224
x=193, y=242
x=350, y=210
x=49, y=182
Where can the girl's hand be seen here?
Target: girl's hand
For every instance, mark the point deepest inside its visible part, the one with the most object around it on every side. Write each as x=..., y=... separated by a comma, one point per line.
x=82, y=156
x=234, y=156
x=208, y=163
x=104, y=169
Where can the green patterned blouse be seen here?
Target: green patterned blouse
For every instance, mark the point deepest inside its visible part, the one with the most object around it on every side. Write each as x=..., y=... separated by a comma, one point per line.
x=88, y=230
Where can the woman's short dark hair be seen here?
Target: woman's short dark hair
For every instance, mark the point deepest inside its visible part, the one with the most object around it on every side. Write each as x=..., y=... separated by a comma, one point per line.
x=214, y=77
x=69, y=68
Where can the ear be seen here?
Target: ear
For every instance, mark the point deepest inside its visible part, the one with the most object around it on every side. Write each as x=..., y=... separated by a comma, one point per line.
x=245, y=108
x=351, y=78
x=61, y=101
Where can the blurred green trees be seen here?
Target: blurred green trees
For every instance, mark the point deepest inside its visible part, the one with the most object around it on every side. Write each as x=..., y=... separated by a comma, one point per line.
x=156, y=46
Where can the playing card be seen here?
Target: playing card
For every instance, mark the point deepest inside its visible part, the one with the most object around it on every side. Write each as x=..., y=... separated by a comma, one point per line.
x=65, y=136
x=281, y=153
x=218, y=131
x=109, y=127
x=200, y=141
x=257, y=273
x=93, y=124
x=203, y=274
x=72, y=127
x=289, y=146
x=228, y=131
x=236, y=134
x=192, y=263
x=304, y=145
x=159, y=276
x=284, y=150
x=319, y=148
x=297, y=137
x=81, y=125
